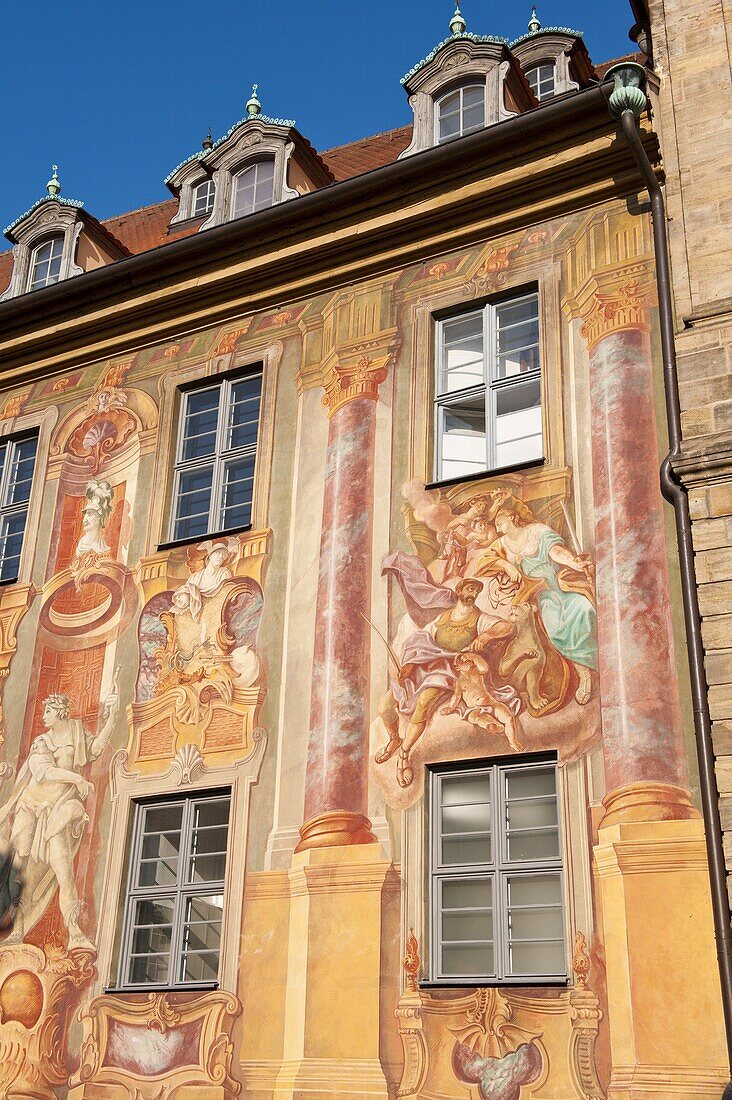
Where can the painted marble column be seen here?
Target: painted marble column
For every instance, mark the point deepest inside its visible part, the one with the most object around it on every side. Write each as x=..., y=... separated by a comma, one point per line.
x=645, y=763
x=337, y=767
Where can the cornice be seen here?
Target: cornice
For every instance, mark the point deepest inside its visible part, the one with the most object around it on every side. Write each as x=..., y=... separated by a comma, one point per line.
x=531, y=168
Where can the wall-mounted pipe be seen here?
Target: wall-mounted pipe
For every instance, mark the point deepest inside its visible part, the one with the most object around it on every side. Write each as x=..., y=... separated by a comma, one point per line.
x=628, y=102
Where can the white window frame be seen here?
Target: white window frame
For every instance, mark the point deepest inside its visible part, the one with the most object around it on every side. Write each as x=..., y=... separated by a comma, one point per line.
x=535, y=79
x=460, y=90
x=56, y=242
x=218, y=459
x=497, y=870
x=8, y=509
x=489, y=387
x=207, y=187
x=252, y=166
x=178, y=893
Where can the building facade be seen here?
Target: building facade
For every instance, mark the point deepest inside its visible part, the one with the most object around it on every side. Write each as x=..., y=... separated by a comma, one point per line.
x=348, y=748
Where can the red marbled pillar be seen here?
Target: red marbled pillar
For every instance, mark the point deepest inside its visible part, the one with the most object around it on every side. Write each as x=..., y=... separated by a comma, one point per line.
x=337, y=767
x=641, y=714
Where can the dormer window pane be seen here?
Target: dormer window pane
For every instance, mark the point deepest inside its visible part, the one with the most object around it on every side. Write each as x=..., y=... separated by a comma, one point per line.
x=253, y=188
x=541, y=79
x=203, y=198
x=46, y=263
x=461, y=112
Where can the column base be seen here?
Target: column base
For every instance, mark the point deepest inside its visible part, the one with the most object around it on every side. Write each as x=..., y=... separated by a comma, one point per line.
x=648, y=802
x=335, y=829
x=642, y=1082
x=664, y=1002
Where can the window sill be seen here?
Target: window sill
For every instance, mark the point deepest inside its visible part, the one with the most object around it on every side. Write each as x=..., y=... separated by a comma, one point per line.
x=494, y=983
x=202, y=538
x=202, y=987
x=8, y=580
x=499, y=471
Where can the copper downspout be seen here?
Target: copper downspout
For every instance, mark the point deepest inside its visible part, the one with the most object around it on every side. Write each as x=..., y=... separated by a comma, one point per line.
x=628, y=109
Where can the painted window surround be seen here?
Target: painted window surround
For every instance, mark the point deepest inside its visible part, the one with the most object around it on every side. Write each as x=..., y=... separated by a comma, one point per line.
x=44, y=423
x=188, y=774
x=264, y=355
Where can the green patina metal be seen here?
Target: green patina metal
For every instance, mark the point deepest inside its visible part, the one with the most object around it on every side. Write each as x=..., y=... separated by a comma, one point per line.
x=629, y=91
x=254, y=107
x=457, y=23
x=54, y=184
x=534, y=24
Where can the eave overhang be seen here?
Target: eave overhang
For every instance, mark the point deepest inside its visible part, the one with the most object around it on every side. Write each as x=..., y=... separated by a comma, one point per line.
x=560, y=157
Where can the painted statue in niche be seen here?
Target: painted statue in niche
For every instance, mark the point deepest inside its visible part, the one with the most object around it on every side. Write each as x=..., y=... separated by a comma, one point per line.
x=96, y=512
x=200, y=675
x=43, y=821
x=498, y=649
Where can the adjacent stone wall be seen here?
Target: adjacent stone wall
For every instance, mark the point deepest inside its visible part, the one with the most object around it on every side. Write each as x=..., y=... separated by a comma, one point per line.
x=691, y=41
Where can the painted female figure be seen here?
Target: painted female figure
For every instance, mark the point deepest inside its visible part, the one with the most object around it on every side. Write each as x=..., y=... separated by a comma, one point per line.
x=532, y=550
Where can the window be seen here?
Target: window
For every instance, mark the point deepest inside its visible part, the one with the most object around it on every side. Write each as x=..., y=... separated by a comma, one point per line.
x=175, y=902
x=217, y=448
x=46, y=263
x=541, y=79
x=17, y=462
x=496, y=874
x=253, y=188
x=488, y=389
x=461, y=112
x=203, y=198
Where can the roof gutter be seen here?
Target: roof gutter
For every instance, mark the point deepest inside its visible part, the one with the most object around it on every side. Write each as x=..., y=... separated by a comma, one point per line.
x=628, y=102
x=503, y=142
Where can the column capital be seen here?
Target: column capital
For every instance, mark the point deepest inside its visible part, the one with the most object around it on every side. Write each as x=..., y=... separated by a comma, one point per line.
x=612, y=300
x=350, y=378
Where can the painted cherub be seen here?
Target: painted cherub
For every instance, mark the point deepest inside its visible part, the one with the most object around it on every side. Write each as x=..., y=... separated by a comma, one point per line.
x=476, y=702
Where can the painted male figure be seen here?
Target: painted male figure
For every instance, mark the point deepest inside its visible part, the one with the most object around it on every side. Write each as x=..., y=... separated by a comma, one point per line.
x=43, y=822
x=426, y=676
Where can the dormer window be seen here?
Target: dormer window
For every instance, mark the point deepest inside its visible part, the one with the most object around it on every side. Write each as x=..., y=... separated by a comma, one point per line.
x=203, y=198
x=46, y=263
x=460, y=112
x=253, y=188
x=542, y=80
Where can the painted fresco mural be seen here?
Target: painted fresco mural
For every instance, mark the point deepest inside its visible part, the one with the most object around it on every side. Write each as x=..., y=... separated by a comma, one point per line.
x=497, y=652
x=365, y=627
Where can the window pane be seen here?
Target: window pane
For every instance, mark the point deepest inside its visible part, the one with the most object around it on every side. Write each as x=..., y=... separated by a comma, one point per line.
x=532, y=822
x=194, y=503
x=201, y=939
x=467, y=893
x=535, y=924
x=466, y=819
x=11, y=544
x=237, y=492
x=244, y=413
x=199, y=424
x=152, y=933
x=473, y=95
x=517, y=336
x=207, y=860
x=203, y=197
x=22, y=463
x=449, y=127
x=462, y=440
x=462, y=354
x=466, y=927
x=467, y=961
x=254, y=188
x=46, y=266
x=518, y=424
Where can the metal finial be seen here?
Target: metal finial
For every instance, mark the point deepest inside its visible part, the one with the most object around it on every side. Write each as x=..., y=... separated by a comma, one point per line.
x=254, y=107
x=457, y=23
x=207, y=142
x=53, y=186
x=534, y=24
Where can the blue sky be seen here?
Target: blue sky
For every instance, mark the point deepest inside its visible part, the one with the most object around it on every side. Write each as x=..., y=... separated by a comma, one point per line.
x=119, y=93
